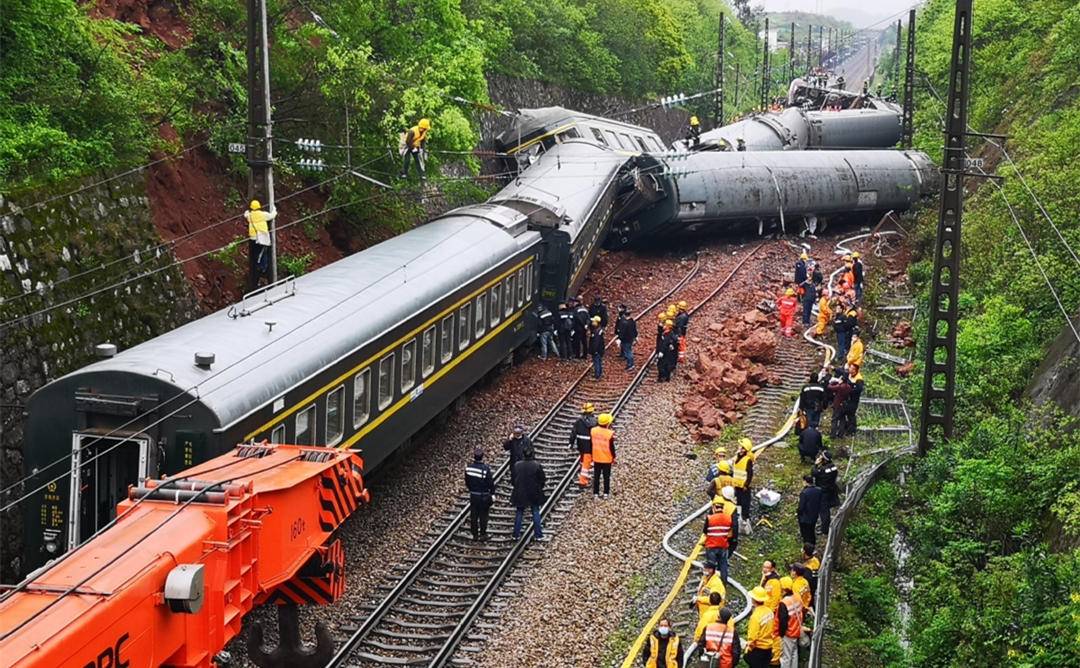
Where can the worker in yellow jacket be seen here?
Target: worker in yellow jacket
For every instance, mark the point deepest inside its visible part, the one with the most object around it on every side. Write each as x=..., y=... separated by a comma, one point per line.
x=412, y=147
x=760, y=630
x=260, y=246
x=824, y=314
x=855, y=352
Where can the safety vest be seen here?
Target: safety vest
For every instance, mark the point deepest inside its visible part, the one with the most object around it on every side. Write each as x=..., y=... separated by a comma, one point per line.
x=802, y=589
x=709, y=585
x=759, y=633
x=418, y=136
x=601, y=445
x=719, y=639
x=813, y=563
x=717, y=530
x=738, y=469
x=669, y=656
x=257, y=222
x=795, y=615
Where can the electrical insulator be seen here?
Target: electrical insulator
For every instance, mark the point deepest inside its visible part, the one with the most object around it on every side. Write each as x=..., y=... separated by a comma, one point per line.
x=313, y=145
x=313, y=164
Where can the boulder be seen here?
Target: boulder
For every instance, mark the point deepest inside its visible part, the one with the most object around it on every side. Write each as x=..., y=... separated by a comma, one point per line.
x=759, y=346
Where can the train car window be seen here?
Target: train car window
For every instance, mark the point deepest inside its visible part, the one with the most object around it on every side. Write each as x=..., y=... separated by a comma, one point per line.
x=529, y=281
x=278, y=435
x=427, y=352
x=641, y=143
x=599, y=136
x=508, y=307
x=408, y=365
x=629, y=143
x=495, y=292
x=657, y=144
x=446, y=346
x=613, y=141
x=386, y=381
x=361, y=398
x=521, y=287
x=464, y=333
x=335, y=415
x=305, y=427
x=481, y=313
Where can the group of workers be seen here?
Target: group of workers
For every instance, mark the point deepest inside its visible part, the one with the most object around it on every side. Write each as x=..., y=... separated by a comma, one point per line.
x=578, y=331
x=671, y=328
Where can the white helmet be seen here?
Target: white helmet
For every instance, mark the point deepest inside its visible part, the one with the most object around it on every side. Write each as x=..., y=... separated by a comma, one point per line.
x=728, y=492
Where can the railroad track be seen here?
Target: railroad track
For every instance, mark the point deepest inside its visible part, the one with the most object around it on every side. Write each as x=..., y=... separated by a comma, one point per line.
x=435, y=599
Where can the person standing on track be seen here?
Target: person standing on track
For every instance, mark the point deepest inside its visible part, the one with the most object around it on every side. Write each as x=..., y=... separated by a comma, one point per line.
x=596, y=346
x=718, y=531
x=760, y=631
x=528, y=492
x=682, y=325
x=668, y=357
x=824, y=314
x=851, y=405
x=581, y=438
x=811, y=400
x=808, y=295
x=710, y=583
x=481, y=486
x=660, y=334
x=581, y=326
x=626, y=332
x=603, y=453
x=800, y=268
x=786, y=307
x=857, y=273
x=810, y=499
x=742, y=469
x=516, y=446
x=825, y=476
x=664, y=649
x=566, y=331
x=259, y=243
x=546, y=332
x=599, y=309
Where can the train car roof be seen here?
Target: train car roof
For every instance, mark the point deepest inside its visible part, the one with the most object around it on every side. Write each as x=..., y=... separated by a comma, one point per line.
x=564, y=184
x=532, y=123
x=334, y=310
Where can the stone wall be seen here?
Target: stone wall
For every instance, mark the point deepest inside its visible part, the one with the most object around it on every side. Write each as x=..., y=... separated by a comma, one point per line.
x=76, y=271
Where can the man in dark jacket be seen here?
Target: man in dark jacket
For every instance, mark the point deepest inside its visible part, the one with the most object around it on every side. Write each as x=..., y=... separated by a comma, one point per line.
x=596, y=346
x=812, y=400
x=842, y=325
x=481, y=486
x=825, y=476
x=810, y=500
x=566, y=331
x=546, y=332
x=668, y=356
x=581, y=325
x=599, y=309
x=800, y=268
x=516, y=446
x=581, y=439
x=838, y=391
x=626, y=332
x=529, y=480
x=809, y=444
x=809, y=298
x=857, y=271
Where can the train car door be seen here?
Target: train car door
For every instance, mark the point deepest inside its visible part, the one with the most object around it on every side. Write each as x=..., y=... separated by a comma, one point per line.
x=102, y=468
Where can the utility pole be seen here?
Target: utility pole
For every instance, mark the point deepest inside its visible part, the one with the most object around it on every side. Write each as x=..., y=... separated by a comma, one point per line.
x=829, y=49
x=899, y=41
x=791, y=54
x=939, y=378
x=738, y=77
x=821, y=46
x=908, y=131
x=260, y=150
x=765, y=67
x=809, y=47
x=718, y=113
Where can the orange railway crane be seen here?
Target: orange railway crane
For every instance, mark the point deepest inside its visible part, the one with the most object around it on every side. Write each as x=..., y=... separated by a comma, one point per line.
x=168, y=583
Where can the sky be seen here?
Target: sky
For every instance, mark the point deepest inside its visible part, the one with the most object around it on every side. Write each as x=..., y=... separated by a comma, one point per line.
x=859, y=13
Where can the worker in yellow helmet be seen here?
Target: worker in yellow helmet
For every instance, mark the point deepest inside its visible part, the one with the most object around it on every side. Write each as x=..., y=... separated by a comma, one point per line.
x=259, y=242
x=742, y=470
x=603, y=453
x=668, y=356
x=760, y=630
x=581, y=438
x=786, y=307
x=412, y=147
x=693, y=133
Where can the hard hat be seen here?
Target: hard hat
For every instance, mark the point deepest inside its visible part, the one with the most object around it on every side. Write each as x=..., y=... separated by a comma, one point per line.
x=789, y=292
x=759, y=594
x=588, y=407
x=662, y=317
x=683, y=305
x=855, y=254
x=424, y=124
x=746, y=444
x=672, y=309
x=786, y=583
x=255, y=206
x=669, y=323
x=720, y=452
x=847, y=258
x=718, y=500
x=804, y=256
x=596, y=320
x=694, y=120
x=724, y=467
x=728, y=492
x=604, y=419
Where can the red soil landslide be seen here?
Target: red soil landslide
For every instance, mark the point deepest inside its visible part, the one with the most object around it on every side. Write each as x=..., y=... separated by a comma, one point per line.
x=160, y=18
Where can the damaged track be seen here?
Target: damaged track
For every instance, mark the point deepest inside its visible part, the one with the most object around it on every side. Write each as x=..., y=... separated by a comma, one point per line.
x=428, y=612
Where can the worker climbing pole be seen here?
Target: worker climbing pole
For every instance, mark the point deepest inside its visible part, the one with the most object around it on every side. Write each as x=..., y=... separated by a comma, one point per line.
x=939, y=378
x=909, y=86
x=260, y=151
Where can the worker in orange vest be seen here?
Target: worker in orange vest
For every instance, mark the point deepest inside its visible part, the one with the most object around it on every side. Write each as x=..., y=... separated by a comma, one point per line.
x=603, y=453
x=786, y=306
x=789, y=619
x=720, y=642
x=718, y=531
